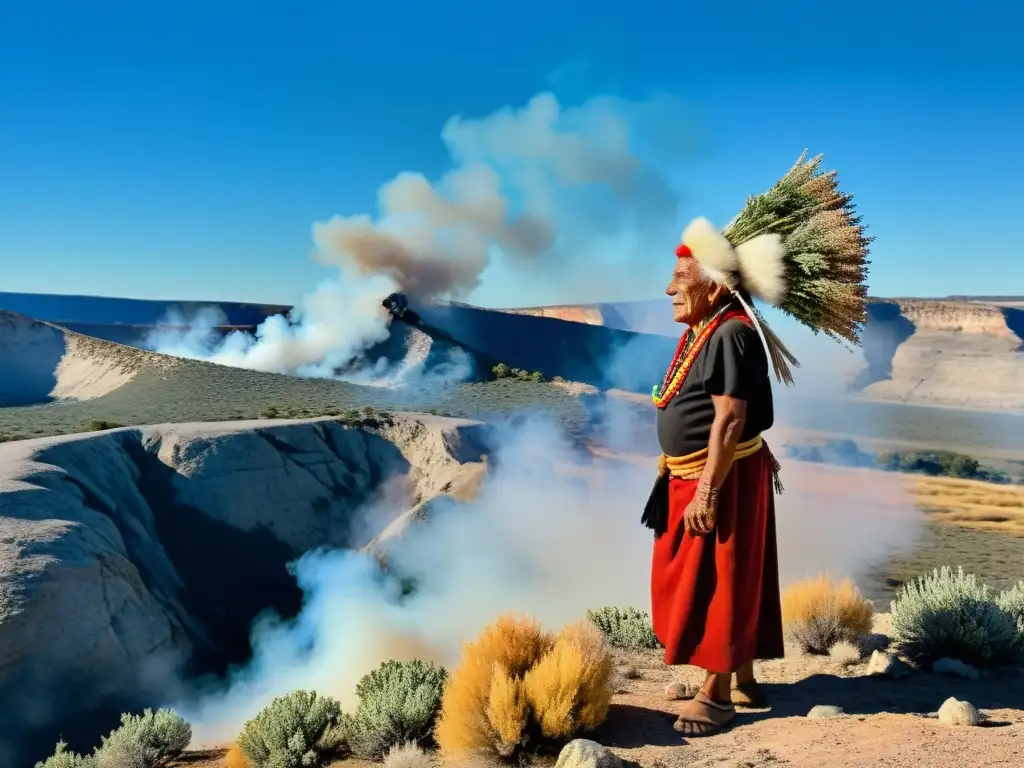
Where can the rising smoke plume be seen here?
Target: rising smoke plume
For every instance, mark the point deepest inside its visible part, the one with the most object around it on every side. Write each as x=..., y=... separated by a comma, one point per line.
x=552, y=203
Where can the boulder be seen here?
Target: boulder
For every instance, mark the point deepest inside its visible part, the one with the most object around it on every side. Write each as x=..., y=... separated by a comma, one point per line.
x=956, y=712
x=584, y=753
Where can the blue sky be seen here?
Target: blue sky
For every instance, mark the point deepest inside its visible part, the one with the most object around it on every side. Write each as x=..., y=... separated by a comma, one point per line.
x=184, y=150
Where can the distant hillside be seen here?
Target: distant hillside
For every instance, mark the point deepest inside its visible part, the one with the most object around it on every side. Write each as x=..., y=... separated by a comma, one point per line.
x=577, y=351
x=102, y=310
x=962, y=352
x=43, y=362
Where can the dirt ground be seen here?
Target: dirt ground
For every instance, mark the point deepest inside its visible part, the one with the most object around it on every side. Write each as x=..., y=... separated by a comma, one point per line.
x=888, y=723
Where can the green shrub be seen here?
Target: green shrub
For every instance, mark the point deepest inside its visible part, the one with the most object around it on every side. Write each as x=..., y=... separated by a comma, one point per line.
x=99, y=425
x=398, y=704
x=299, y=730
x=1012, y=602
x=627, y=628
x=950, y=613
x=61, y=758
x=149, y=740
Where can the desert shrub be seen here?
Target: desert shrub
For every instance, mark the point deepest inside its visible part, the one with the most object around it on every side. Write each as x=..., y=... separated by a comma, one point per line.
x=819, y=612
x=410, y=755
x=950, y=613
x=625, y=627
x=235, y=758
x=299, y=729
x=398, y=704
x=149, y=740
x=61, y=758
x=517, y=687
x=1012, y=603
x=98, y=425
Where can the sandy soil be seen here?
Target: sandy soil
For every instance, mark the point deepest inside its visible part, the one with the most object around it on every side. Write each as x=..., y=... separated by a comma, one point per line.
x=887, y=722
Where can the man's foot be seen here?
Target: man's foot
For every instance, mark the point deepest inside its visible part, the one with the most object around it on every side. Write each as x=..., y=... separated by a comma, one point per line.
x=700, y=716
x=749, y=695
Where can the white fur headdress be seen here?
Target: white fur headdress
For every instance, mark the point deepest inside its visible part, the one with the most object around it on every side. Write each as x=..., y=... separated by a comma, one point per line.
x=757, y=266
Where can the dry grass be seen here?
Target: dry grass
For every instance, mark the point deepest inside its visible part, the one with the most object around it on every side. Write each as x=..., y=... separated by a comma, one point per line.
x=235, y=759
x=409, y=756
x=819, y=612
x=972, y=504
x=517, y=683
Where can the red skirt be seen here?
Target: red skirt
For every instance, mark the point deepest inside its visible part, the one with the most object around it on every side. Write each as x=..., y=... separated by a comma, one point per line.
x=715, y=600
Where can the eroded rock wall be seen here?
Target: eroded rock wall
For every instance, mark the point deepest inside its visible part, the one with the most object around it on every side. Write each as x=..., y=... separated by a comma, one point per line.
x=131, y=557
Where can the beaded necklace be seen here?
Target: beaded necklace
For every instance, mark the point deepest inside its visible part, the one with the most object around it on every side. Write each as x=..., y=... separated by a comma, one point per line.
x=690, y=344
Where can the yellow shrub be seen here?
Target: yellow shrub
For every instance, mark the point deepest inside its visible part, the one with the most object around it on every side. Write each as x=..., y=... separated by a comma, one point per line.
x=507, y=710
x=819, y=612
x=235, y=759
x=516, y=684
x=595, y=687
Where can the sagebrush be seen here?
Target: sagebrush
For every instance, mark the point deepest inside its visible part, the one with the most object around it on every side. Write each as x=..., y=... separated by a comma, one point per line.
x=625, y=627
x=517, y=687
x=155, y=738
x=820, y=612
x=150, y=740
x=302, y=728
x=398, y=704
x=1012, y=602
x=62, y=758
x=951, y=613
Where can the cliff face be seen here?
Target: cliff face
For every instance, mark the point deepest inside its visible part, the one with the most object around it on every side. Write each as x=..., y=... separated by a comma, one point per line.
x=952, y=353
x=129, y=556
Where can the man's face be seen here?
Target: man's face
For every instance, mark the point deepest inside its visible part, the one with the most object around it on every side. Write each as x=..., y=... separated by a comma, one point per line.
x=693, y=294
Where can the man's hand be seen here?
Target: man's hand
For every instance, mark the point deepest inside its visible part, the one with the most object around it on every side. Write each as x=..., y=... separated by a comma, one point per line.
x=700, y=514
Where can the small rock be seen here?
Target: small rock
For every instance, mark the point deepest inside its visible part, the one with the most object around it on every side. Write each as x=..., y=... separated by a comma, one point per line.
x=825, y=710
x=628, y=672
x=676, y=691
x=884, y=664
x=955, y=668
x=955, y=712
x=584, y=753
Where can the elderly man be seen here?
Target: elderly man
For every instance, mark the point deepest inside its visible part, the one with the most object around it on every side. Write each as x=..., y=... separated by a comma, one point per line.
x=715, y=578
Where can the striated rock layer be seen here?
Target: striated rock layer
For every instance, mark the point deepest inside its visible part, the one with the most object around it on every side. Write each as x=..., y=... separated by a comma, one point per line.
x=132, y=556
x=950, y=353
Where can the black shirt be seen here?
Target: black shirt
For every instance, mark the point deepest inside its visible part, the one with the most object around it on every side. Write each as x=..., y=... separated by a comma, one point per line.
x=732, y=362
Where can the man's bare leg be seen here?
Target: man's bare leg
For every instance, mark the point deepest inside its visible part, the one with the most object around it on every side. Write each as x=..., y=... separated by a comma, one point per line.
x=746, y=692
x=710, y=709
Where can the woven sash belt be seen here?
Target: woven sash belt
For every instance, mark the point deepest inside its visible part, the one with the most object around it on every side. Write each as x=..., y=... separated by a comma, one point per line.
x=691, y=466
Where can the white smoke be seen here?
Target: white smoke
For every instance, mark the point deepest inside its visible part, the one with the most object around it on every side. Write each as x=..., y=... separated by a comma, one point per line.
x=549, y=535
x=546, y=536
x=545, y=199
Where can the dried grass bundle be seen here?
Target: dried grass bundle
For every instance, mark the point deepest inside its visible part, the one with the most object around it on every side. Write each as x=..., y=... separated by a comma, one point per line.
x=825, y=253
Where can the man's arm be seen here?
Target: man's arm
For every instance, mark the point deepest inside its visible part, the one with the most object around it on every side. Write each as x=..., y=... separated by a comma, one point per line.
x=730, y=418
